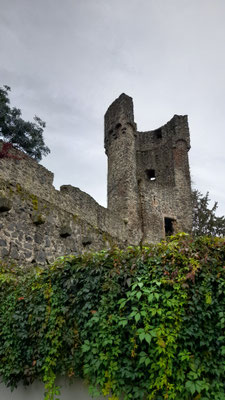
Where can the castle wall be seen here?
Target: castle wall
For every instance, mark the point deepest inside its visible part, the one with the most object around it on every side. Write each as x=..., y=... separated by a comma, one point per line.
x=39, y=223
x=149, y=194
x=164, y=179
x=157, y=195
x=77, y=389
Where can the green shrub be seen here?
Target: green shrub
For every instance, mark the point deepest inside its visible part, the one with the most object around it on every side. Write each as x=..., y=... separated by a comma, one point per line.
x=137, y=324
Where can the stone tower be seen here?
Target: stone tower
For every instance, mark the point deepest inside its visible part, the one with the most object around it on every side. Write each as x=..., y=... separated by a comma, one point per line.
x=148, y=174
x=122, y=183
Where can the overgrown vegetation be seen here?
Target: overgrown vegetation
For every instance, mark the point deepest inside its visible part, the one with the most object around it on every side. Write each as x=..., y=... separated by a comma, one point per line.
x=137, y=324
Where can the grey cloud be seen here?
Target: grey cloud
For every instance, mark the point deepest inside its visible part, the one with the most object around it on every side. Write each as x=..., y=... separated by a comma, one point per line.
x=67, y=61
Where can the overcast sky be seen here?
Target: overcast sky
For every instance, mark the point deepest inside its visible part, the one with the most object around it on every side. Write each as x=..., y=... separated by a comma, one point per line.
x=67, y=60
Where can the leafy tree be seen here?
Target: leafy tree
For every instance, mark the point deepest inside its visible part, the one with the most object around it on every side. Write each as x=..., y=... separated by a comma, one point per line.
x=23, y=135
x=205, y=221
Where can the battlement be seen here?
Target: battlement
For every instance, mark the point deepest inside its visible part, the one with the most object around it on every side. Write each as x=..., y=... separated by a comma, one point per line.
x=149, y=194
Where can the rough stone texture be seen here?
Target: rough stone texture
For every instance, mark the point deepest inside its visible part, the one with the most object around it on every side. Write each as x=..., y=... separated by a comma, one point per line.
x=120, y=145
x=148, y=173
x=37, y=231
x=148, y=181
x=5, y=204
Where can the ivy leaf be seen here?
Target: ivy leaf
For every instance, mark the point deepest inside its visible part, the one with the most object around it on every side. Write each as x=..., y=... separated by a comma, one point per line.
x=147, y=361
x=144, y=313
x=123, y=322
x=148, y=338
x=157, y=296
x=199, y=385
x=190, y=386
x=142, y=336
x=139, y=294
x=137, y=317
x=150, y=298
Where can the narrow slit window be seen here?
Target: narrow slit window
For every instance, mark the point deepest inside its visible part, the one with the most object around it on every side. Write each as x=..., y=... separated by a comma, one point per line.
x=150, y=174
x=169, y=226
x=158, y=133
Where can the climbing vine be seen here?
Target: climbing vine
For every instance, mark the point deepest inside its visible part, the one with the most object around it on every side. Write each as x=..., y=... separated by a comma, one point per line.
x=137, y=324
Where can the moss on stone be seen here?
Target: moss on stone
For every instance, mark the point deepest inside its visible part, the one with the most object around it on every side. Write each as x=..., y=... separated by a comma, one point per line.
x=75, y=217
x=34, y=201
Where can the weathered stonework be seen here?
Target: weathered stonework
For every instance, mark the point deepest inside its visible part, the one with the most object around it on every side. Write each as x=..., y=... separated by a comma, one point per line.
x=149, y=194
x=148, y=174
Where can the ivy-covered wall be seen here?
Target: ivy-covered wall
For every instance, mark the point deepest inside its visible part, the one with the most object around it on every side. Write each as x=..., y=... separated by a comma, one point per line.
x=145, y=323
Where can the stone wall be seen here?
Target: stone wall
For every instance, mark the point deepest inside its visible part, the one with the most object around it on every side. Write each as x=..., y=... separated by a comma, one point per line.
x=76, y=390
x=39, y=223
x=120, y=146
x=148, y=173
x=164, y=178
x=149, y=194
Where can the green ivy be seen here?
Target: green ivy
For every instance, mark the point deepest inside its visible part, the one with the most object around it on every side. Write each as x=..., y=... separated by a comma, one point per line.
x=145, y=323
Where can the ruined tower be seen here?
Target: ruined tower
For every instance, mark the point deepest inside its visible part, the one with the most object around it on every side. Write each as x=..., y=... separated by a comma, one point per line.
x=120, y=147
x=149, y=194
x=148, y=174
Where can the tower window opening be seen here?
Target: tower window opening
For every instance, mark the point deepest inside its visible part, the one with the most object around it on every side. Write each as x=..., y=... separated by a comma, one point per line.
x=150, y=174
x=169, y=226
x=158, y=133
x=118, y=126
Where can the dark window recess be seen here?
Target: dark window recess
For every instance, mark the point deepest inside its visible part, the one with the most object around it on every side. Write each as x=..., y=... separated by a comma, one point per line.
x=65, y=231
x=86, y=241
x=150, y=174
x=158, y=133
x=169, y=226
x=118, y=126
